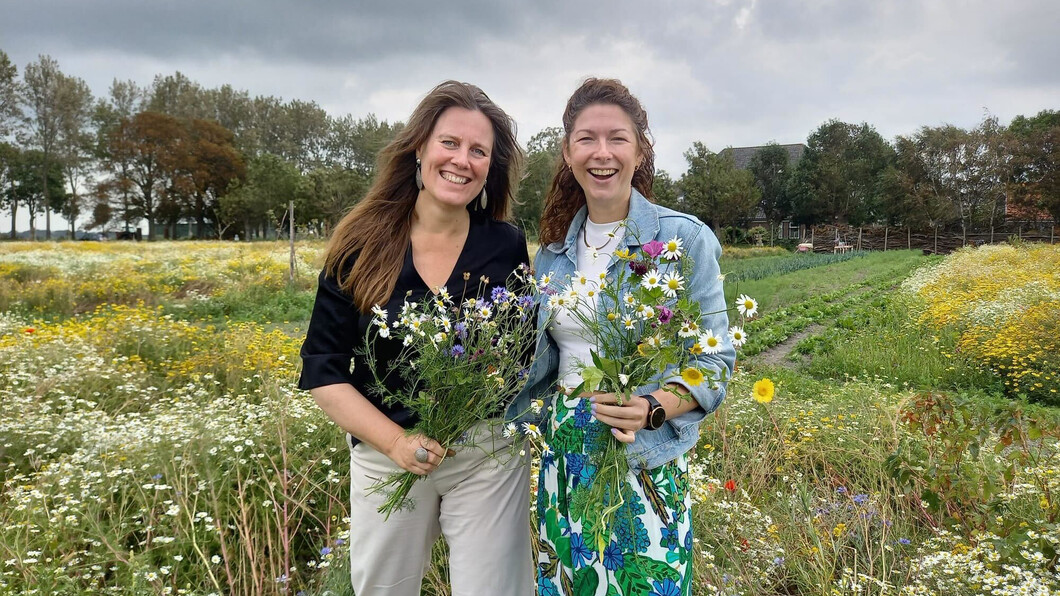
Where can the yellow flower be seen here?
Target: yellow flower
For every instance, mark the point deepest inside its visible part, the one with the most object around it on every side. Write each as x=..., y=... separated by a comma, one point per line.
x=763, y=391
x=692, y=376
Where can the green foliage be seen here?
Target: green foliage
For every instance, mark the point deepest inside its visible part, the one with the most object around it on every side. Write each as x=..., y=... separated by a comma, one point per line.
x=837, y=178
x=772, y=171
x=542, y=157
x=715, y=191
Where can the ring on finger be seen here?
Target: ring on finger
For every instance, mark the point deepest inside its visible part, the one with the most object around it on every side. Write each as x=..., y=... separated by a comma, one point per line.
x=421, y=455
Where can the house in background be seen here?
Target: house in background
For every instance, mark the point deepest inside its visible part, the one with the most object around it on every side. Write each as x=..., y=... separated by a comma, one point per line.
x=741, y=158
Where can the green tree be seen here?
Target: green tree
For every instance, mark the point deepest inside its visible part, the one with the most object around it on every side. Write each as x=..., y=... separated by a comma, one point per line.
x=716, y=191
x=43, y=96
x=10, y=96
x=125, y=99
x=965, y=172
x=666, y=190
x=1034, y=144
x=908, y=194
x=542, y=156
x=262, y=196
x=9, y=154
x=74, y=144
x=32, y=190
x=772, y=171
x=837, y=179
x=354, y=144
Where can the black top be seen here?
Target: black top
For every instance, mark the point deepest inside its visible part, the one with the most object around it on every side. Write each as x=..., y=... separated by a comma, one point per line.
x=337, y=329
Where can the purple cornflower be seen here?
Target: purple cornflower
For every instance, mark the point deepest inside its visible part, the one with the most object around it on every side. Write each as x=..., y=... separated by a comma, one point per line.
x=461, y=330
x=325, y=551
x=457, y=351
x=904, y=541
x=860, y=498
x=500, y=294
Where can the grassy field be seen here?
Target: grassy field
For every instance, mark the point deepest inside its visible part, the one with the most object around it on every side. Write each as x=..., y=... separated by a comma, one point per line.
x=152, y=441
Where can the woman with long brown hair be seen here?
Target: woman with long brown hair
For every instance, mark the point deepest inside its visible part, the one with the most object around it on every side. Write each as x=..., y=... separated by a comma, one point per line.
x=599, y=206
x=434, y=217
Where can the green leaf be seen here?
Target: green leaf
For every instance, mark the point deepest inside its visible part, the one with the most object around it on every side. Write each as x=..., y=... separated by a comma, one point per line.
x=586, y=581
x=658, y=569
x=631, y=578
x=592, y=376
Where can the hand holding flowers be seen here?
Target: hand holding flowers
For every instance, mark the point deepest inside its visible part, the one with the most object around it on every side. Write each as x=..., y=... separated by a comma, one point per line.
x=464, y=361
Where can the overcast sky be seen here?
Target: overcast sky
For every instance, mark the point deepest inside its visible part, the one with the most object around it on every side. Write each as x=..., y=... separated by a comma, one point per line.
x=724, y=72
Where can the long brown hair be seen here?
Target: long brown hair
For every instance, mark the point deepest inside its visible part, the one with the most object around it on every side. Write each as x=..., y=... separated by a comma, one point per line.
x=565, y=196
x=378, y=226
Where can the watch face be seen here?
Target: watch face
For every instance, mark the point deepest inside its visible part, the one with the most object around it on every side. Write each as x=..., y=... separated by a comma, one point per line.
x=658, y=416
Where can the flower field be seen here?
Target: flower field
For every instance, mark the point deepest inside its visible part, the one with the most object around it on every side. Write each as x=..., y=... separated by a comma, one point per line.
x=152, y=441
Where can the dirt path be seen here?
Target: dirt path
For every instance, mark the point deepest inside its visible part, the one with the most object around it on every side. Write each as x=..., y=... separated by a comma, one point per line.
x=778, y=354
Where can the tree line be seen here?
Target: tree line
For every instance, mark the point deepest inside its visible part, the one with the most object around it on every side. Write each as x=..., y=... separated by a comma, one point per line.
x=174, y=151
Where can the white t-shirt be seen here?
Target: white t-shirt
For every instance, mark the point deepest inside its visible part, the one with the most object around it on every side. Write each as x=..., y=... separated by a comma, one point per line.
x=568, y=331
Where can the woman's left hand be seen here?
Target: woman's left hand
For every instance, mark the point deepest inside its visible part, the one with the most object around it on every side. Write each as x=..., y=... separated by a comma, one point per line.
x=626, y=419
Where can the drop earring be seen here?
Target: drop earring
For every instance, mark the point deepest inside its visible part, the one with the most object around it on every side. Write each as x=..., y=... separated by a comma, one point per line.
x=419, y=175
x=482, y=199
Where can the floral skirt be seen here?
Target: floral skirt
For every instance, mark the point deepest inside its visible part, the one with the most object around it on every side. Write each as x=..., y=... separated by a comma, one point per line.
x=649, y=543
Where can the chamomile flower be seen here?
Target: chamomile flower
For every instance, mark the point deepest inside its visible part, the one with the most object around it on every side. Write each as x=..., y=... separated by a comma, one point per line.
x=627, y=322
x=672, y=284
x=579, y=280
x=651, y=279
x=672, y=249
x=629, y=300
x=688, y=329
x=747, y=306
x=509, y=430
x=710, y=343
x=737, y=335
x=531, y=430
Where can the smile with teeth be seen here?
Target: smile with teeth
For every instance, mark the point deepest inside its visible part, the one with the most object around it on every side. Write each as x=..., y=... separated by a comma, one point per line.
x=603, y=172
x=455, y=179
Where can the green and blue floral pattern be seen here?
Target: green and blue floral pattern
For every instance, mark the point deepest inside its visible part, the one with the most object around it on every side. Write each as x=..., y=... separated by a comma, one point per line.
x=648, y=549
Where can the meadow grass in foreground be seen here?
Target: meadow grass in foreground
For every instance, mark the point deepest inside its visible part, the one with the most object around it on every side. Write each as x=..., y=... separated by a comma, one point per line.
x=161, y=447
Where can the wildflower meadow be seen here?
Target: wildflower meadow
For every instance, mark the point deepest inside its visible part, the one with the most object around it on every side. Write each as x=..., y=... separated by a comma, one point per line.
x=892, y=426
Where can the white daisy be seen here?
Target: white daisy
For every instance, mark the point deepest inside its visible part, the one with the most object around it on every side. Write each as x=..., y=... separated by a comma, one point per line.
x=710, y=343
x=737, y=336
x=651, y=279
x=672, y=249
x=509, y=430
x=747, y=306
x=672, y=284
x=627, y=322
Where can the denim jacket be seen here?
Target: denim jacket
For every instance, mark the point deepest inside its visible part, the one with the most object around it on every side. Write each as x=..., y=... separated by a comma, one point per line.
x=645, y=222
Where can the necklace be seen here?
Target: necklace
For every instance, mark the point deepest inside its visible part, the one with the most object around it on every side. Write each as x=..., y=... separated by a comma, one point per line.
x=610, y=236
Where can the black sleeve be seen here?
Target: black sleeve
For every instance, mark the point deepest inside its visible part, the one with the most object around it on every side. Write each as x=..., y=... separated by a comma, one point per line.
x=333, y=335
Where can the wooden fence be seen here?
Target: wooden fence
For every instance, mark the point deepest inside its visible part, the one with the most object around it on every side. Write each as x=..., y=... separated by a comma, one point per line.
x=932, y=241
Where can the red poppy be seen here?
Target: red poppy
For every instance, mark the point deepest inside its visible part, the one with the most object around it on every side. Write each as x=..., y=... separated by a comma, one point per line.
x=730, y=485
x=30, y=329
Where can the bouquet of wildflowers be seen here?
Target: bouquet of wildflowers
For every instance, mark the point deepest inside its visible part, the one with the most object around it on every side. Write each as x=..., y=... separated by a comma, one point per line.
x=643, y=328
x=465, y=360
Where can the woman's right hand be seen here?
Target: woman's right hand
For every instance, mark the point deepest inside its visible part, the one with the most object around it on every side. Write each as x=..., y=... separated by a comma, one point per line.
x=402, y=451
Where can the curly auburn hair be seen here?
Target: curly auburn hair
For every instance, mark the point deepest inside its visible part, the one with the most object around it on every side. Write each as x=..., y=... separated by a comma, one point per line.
x=565, y=196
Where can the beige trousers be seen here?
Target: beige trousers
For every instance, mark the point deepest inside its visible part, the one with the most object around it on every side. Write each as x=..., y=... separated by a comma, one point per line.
x=479, y=499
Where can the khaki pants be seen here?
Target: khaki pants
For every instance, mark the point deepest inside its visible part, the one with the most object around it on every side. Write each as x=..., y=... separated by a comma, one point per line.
x=479, y=499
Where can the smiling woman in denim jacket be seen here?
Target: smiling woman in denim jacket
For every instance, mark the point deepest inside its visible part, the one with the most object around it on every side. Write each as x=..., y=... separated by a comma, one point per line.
x=599, y=204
